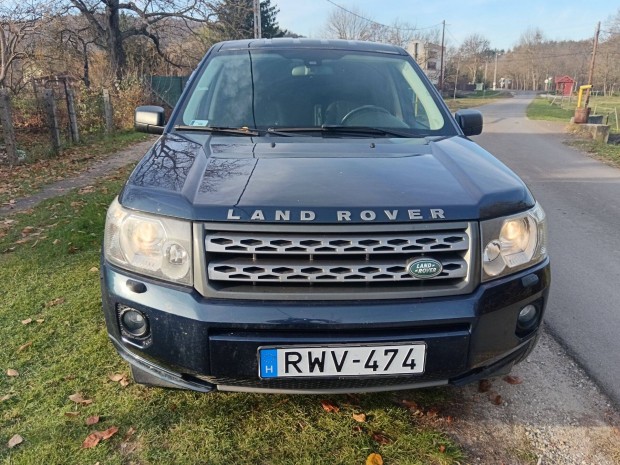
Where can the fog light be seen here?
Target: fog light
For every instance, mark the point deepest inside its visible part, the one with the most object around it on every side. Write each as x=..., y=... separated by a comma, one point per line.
x=134, y=322
x=527, y=317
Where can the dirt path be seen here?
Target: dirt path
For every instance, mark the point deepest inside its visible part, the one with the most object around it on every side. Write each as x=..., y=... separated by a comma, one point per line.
x=97, y=170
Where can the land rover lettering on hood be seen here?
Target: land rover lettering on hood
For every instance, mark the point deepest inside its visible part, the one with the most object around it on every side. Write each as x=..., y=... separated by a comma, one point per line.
x=313, y=219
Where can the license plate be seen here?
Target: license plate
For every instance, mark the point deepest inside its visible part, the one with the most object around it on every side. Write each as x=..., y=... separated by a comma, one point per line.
x=349, y=360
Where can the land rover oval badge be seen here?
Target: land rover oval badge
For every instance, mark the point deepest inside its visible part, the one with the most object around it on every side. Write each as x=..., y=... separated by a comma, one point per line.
x=424, y=268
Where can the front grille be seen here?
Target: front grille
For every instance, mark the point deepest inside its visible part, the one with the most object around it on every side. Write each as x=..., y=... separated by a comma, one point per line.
x=314, y=262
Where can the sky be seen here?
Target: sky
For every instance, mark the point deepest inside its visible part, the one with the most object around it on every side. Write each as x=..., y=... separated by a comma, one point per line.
x=502, y=22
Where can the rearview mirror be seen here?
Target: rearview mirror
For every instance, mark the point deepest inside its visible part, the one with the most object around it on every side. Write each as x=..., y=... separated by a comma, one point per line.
x=470, y=121
x=149, y=119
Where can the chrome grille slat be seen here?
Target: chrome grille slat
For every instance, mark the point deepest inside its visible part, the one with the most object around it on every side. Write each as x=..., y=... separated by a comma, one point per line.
x=329, y=244
x=282, y=270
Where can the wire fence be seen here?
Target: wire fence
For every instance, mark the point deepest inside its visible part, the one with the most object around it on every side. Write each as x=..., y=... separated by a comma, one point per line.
x=603, y=109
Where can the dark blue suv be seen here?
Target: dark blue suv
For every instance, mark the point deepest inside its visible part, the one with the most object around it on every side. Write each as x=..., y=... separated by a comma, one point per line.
x=313, y=219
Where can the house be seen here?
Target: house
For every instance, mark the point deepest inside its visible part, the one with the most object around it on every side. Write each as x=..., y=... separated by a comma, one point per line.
x=428, y=56
x=564, y=85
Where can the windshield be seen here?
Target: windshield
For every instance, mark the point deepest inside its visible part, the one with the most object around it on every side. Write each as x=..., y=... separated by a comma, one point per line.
x=294, y=89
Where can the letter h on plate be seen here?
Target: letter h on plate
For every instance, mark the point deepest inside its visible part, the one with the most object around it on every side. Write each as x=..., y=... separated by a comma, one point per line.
x=269, y=363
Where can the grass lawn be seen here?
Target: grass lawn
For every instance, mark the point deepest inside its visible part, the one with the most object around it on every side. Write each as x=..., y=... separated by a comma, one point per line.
x=23, y=180
x=541, y=109
x=474, y=100
x=53, y=336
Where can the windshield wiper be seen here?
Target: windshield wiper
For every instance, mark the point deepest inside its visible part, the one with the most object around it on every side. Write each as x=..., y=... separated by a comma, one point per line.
x=355, y=130
x=243, y=131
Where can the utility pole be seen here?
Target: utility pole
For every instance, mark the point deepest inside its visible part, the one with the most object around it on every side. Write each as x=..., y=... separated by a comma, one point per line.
x=443, y=33
x=257, y=25
x=591, y=73
x=495, y=72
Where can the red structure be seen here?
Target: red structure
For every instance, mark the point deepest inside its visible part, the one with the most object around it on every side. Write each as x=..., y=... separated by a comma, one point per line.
x=564, y=85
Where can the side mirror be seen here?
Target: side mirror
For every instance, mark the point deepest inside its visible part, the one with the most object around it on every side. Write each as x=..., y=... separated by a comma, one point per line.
x=149, y=119
x=470, y=121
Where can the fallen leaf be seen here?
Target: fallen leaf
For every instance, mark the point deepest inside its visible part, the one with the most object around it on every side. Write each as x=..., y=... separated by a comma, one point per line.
x=442, y=448
x=72, y=414
x=87, y=190
x=357, y=429
x=5, y=397
x=119, y=378
x=91, y=440
x=12, y=372
x=484, y=385
x=40, y=321
x=449, y=419
x=79, y=399
x=94, y=269
x=24, y=346
x=55, y=302
x=512, y=379
x=329, y=407
x=107, y=434
x=374, y=459
x=56, y=241
x=15, y=440
x=92, y=420
x=95, y=437
x=496, y=399
x=381, y=438
x=27, y=321
x=27, y=230
x=359, y=417
x=432, y=412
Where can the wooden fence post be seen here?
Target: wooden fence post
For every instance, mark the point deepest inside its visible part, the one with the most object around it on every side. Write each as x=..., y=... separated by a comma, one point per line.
x=52, y=119
x=6, y=119
x=108, y=112
x=73, y=126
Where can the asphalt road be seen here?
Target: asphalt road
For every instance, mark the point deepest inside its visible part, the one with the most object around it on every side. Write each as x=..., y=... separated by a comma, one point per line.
x=581, y=197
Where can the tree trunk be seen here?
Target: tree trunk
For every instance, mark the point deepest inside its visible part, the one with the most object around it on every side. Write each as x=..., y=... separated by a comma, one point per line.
x=118, y=59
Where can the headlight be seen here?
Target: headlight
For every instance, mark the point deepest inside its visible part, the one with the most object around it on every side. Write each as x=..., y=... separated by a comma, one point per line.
x=152, y=245
x=513, y=243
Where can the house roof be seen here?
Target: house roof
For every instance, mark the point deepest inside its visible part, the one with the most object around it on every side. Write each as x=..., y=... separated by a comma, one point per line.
x=564, y=79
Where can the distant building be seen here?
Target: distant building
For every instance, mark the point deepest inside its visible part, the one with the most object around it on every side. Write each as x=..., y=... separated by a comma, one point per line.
x=428, y=56
x=564, y=85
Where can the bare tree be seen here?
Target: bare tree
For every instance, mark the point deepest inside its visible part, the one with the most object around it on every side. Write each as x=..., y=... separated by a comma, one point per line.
x=114, y=23
x=473, y=51
x=19, y=22
x=350, y=25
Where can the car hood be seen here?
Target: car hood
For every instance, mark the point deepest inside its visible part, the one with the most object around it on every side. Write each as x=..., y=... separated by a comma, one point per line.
x=323, y=180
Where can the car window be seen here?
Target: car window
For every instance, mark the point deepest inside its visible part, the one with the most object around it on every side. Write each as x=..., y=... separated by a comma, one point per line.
x=306, y=88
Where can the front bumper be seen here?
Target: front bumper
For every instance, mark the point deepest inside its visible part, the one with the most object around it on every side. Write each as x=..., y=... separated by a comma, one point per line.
x=207, y=344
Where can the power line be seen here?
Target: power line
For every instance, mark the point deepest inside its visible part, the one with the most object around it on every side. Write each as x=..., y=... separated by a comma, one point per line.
x=381, y=24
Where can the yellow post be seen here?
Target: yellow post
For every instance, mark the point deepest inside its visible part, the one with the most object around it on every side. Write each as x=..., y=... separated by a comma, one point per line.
x=581, y=89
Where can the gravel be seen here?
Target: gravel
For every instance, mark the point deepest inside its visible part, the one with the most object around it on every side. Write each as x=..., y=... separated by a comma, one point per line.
x=556, y=415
